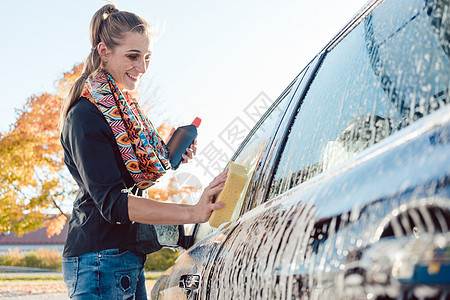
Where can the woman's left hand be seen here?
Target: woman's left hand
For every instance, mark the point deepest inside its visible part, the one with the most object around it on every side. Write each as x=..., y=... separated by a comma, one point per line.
x=191, y=151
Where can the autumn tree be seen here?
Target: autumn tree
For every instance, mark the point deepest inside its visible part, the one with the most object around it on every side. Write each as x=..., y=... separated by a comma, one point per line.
x=34, y=178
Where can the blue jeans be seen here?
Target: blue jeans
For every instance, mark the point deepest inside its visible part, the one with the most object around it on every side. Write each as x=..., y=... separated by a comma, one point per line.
x=107, y=274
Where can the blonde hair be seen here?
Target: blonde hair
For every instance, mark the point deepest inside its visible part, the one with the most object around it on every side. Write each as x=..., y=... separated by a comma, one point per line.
x=108, y=25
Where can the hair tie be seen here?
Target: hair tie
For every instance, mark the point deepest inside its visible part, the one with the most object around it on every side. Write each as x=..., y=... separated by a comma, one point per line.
x=107, y=14
x=84, y=75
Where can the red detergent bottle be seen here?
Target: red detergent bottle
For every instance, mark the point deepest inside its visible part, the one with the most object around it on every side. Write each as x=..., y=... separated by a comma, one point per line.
x=181, y=139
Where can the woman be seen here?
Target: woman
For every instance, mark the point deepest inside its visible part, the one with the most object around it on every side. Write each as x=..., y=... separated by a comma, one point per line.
x=111, y=148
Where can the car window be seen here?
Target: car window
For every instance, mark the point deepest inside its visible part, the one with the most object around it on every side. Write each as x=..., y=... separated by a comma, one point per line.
x=249, y=153
x=381, y=77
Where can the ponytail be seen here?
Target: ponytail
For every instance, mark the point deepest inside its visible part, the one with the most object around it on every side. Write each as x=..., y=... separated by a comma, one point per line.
x=108, y=25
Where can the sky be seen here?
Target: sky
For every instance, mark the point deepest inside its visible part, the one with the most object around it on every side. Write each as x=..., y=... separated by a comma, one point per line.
x=211, y=59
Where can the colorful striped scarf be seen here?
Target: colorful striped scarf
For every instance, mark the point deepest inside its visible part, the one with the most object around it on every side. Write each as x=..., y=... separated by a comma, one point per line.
x=144, y=153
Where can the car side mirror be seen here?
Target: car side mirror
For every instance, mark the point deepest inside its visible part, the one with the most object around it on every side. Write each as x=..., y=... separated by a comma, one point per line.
x=173, y=236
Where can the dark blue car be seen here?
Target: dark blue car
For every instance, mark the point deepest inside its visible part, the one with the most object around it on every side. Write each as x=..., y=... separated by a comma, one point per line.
x=348, y=193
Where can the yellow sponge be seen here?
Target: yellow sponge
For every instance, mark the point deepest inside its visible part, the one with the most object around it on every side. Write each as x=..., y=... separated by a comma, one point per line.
x=235, y=183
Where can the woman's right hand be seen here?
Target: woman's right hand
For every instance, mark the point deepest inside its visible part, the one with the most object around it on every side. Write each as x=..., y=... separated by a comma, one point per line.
x=205, y=206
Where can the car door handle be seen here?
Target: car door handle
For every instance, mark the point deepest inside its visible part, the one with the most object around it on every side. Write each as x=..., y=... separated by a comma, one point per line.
x=189, y=282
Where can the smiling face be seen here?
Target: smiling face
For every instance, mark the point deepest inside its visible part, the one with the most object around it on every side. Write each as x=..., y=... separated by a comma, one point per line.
x=127, y=62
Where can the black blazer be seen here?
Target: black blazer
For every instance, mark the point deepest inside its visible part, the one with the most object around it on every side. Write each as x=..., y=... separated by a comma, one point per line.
x=99, y=218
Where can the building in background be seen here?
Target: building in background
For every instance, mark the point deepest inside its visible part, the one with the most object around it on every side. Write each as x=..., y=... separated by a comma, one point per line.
x=34, y=240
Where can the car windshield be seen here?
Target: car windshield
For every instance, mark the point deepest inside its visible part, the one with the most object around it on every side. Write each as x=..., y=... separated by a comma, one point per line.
x=391, y=70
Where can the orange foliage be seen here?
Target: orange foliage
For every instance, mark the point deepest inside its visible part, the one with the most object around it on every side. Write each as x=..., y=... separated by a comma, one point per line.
x=31, y=164
x=55, y=224
x=172, y=192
